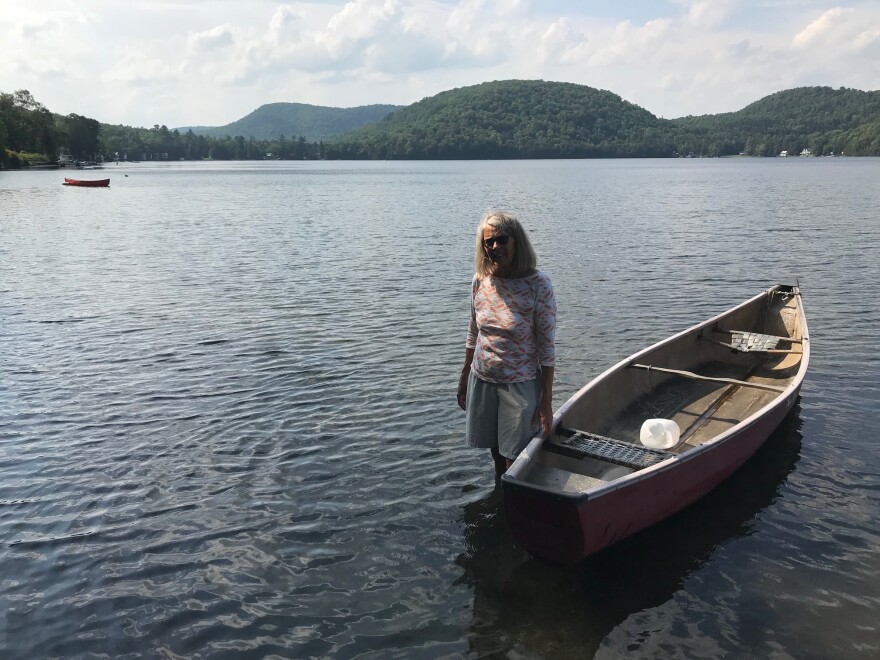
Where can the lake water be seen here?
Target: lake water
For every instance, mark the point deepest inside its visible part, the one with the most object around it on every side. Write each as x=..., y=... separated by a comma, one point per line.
x=228, y=421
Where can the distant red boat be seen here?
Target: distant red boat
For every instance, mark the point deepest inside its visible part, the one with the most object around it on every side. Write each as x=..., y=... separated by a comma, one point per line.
x=94, y=183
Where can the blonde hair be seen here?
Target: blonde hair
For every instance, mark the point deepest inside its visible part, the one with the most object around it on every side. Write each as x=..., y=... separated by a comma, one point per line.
x=524, y=258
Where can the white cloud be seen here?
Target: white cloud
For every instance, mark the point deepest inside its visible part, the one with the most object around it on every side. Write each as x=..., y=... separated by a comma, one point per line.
x=359, y=21
x=213, y=39
x=138, y=70
x=708, y=14
x=868, y=42
x=44, y=28
x=285, y=26
x=556, y=40
x=150, y=61
x=829, y=27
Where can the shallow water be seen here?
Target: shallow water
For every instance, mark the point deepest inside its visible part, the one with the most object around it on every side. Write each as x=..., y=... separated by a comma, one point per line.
x=228, y=423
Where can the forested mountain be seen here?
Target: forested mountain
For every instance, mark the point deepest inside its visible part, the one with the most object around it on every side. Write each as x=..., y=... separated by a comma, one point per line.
x=507, y=119
x=535, y=119
x=314, y=123
x=821, y=119
x=512, y=119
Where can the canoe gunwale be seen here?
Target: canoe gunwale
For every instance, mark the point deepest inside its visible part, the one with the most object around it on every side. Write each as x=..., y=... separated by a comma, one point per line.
x=784, y=398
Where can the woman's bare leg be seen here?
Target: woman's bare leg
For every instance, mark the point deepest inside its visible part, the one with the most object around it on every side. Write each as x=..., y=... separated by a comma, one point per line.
x=501, y=463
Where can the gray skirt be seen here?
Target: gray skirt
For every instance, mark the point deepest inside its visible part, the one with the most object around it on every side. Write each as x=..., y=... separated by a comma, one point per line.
x=500, y=414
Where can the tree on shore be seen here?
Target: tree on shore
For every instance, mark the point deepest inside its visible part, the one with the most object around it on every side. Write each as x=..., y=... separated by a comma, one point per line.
x=30, y=126
x=82, y=136
x=2, y=139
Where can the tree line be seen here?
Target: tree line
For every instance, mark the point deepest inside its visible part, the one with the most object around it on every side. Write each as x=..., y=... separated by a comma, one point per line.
x=506, y=119
x=821, y=119
x=160, y=143
x=537, y=119
x=27, y=126
x=29, y=132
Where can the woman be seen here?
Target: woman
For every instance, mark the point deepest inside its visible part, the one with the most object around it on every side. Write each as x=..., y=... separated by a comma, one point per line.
x=506, y=385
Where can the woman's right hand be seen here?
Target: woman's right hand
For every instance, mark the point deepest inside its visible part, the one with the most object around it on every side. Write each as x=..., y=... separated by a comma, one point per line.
x=463, y=379
x=462, y=390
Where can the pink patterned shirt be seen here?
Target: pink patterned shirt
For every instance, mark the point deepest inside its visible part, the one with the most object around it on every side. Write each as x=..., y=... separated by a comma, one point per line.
x=512, y=328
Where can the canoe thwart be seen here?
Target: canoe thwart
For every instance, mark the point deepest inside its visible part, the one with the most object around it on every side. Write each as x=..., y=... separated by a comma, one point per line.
x=693, y=376
x=582, y=444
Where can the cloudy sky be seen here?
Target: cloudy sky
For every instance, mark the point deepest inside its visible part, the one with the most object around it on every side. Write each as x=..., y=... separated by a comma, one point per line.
x=188, y=62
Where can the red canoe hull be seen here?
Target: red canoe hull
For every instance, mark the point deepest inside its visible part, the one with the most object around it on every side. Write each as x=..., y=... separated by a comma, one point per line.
x=95, y=183
x=562, y=509
x=565, y=530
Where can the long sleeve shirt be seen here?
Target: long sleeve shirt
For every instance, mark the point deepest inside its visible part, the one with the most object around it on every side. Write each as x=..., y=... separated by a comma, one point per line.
x=512, y=328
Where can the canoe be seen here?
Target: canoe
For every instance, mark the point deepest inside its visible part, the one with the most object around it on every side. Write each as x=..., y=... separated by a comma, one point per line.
x=86, y=183
x=599, y=476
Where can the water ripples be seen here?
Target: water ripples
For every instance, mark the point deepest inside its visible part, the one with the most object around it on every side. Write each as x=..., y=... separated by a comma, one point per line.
x=227, y=420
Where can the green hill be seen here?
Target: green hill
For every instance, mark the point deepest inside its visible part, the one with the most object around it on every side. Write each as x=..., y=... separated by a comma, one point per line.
x=294, y=120
x=821, y=119
x=536, y=119
x=506, y=119
x=512, y=119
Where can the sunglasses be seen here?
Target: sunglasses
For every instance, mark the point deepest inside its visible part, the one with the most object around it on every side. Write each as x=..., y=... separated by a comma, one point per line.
x=500, y=240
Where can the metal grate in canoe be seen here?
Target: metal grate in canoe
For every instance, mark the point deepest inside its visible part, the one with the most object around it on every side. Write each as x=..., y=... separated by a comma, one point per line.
x=752, y=341
x=582, y=444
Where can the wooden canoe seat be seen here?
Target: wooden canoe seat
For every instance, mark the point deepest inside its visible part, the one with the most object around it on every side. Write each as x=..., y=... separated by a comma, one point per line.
x=581, y=444
x=751, y=342
x=748, y=342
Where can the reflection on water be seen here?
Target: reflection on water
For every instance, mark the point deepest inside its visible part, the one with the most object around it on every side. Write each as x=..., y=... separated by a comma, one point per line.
x=529, y=607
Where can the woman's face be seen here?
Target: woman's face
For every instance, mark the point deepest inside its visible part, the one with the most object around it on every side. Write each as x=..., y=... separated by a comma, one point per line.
x=499, y=246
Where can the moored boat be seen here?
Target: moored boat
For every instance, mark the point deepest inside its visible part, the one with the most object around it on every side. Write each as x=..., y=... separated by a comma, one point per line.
x=66, y=160
x=659, y=430
x=87, y=183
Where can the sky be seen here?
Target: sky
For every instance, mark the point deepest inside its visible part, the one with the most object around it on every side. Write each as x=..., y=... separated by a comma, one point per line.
x=211, y=62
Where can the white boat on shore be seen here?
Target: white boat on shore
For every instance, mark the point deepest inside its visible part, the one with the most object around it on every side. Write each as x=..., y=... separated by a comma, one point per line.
x=66, y=160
